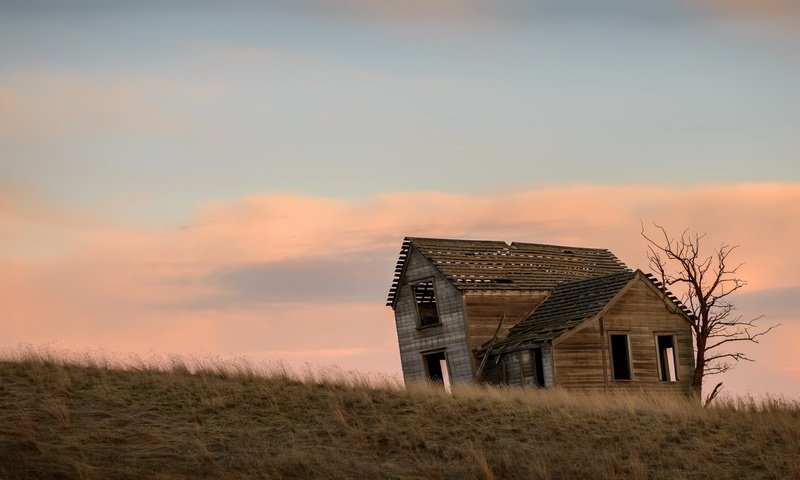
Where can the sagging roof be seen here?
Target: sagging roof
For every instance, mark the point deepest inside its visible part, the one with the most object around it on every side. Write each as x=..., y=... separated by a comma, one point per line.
x=571, y=304
x=567, y=307
x=497, y=265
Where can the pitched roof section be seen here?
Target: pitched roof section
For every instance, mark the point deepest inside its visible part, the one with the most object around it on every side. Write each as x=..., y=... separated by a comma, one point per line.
x=569, y=305
x=494, y=265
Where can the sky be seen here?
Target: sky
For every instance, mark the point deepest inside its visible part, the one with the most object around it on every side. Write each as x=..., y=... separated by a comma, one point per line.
x=235, y=179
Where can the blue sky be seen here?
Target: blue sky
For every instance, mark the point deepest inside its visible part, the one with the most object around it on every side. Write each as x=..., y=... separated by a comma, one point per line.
x=350, y=98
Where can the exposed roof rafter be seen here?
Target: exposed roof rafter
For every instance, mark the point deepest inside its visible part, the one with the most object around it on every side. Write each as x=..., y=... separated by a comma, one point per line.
x=497, y=265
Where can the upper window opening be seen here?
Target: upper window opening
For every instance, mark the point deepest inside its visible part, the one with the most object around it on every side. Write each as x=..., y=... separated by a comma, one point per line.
x=620, y=357
x=667, y=358
x=426, y=303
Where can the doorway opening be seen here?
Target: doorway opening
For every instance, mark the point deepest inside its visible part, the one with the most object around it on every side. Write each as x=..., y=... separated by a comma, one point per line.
x=436, y=369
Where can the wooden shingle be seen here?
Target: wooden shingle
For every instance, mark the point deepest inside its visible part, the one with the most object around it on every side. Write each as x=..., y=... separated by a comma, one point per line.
x=570, y=304
x=567, y=307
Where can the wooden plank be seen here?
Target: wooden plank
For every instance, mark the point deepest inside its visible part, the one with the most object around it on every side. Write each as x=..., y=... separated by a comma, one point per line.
x=580, y=361
x=484, y=311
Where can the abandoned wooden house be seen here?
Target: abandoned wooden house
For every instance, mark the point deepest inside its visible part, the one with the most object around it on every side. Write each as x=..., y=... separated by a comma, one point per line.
x=536, y=315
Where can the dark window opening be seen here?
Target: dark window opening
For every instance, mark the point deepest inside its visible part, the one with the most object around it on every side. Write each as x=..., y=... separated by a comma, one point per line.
x=426, y=303
x=436, y=369
x=538, y=366
x=620, y=357
x=667, y=364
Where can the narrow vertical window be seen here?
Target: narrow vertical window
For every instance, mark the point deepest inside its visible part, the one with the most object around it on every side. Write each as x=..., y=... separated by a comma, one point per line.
x=426, y=303
x=667, y=358
x=620, y=357
x=538, y=366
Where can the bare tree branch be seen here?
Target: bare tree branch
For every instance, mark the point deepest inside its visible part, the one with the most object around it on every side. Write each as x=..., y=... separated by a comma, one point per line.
x=714, y=392
x=702, y=284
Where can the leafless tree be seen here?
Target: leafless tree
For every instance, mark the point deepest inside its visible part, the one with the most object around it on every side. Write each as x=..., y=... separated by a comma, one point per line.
x=703, y=283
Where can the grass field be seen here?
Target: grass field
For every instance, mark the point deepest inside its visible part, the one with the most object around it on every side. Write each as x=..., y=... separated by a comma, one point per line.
x=95, y=419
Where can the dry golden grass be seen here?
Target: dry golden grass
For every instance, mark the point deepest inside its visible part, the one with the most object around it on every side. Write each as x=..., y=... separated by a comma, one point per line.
x=90, y=418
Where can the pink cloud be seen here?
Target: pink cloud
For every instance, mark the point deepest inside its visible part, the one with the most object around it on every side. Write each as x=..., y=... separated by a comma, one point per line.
x=196, y=287
x=777, y=368
x=774, y=20
x=755, y=8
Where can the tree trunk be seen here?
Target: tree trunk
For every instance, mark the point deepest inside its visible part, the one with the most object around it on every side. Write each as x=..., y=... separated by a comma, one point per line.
x=697, y=384
x=697, y=379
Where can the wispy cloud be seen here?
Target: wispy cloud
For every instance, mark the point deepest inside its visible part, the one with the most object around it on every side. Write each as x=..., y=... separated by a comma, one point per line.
x=773, y=302
x=779, y=9
x=39, y=106
x=339, y=279
x=774, y=20
x=484, y=13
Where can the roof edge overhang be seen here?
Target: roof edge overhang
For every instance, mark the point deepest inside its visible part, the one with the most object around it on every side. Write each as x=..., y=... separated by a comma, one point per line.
x=481, y=352
x=399, y=271
x=639, y=275
x=668, y=297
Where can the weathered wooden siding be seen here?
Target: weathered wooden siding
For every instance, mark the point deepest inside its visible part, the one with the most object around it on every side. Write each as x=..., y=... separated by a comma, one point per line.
x=450, y=335
x=486, y=308
x=583, y=360
x=520, y=370
x=493, y=371
x=578, y=360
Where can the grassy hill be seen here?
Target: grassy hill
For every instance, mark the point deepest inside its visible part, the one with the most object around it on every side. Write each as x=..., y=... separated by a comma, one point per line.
x=61, y=420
